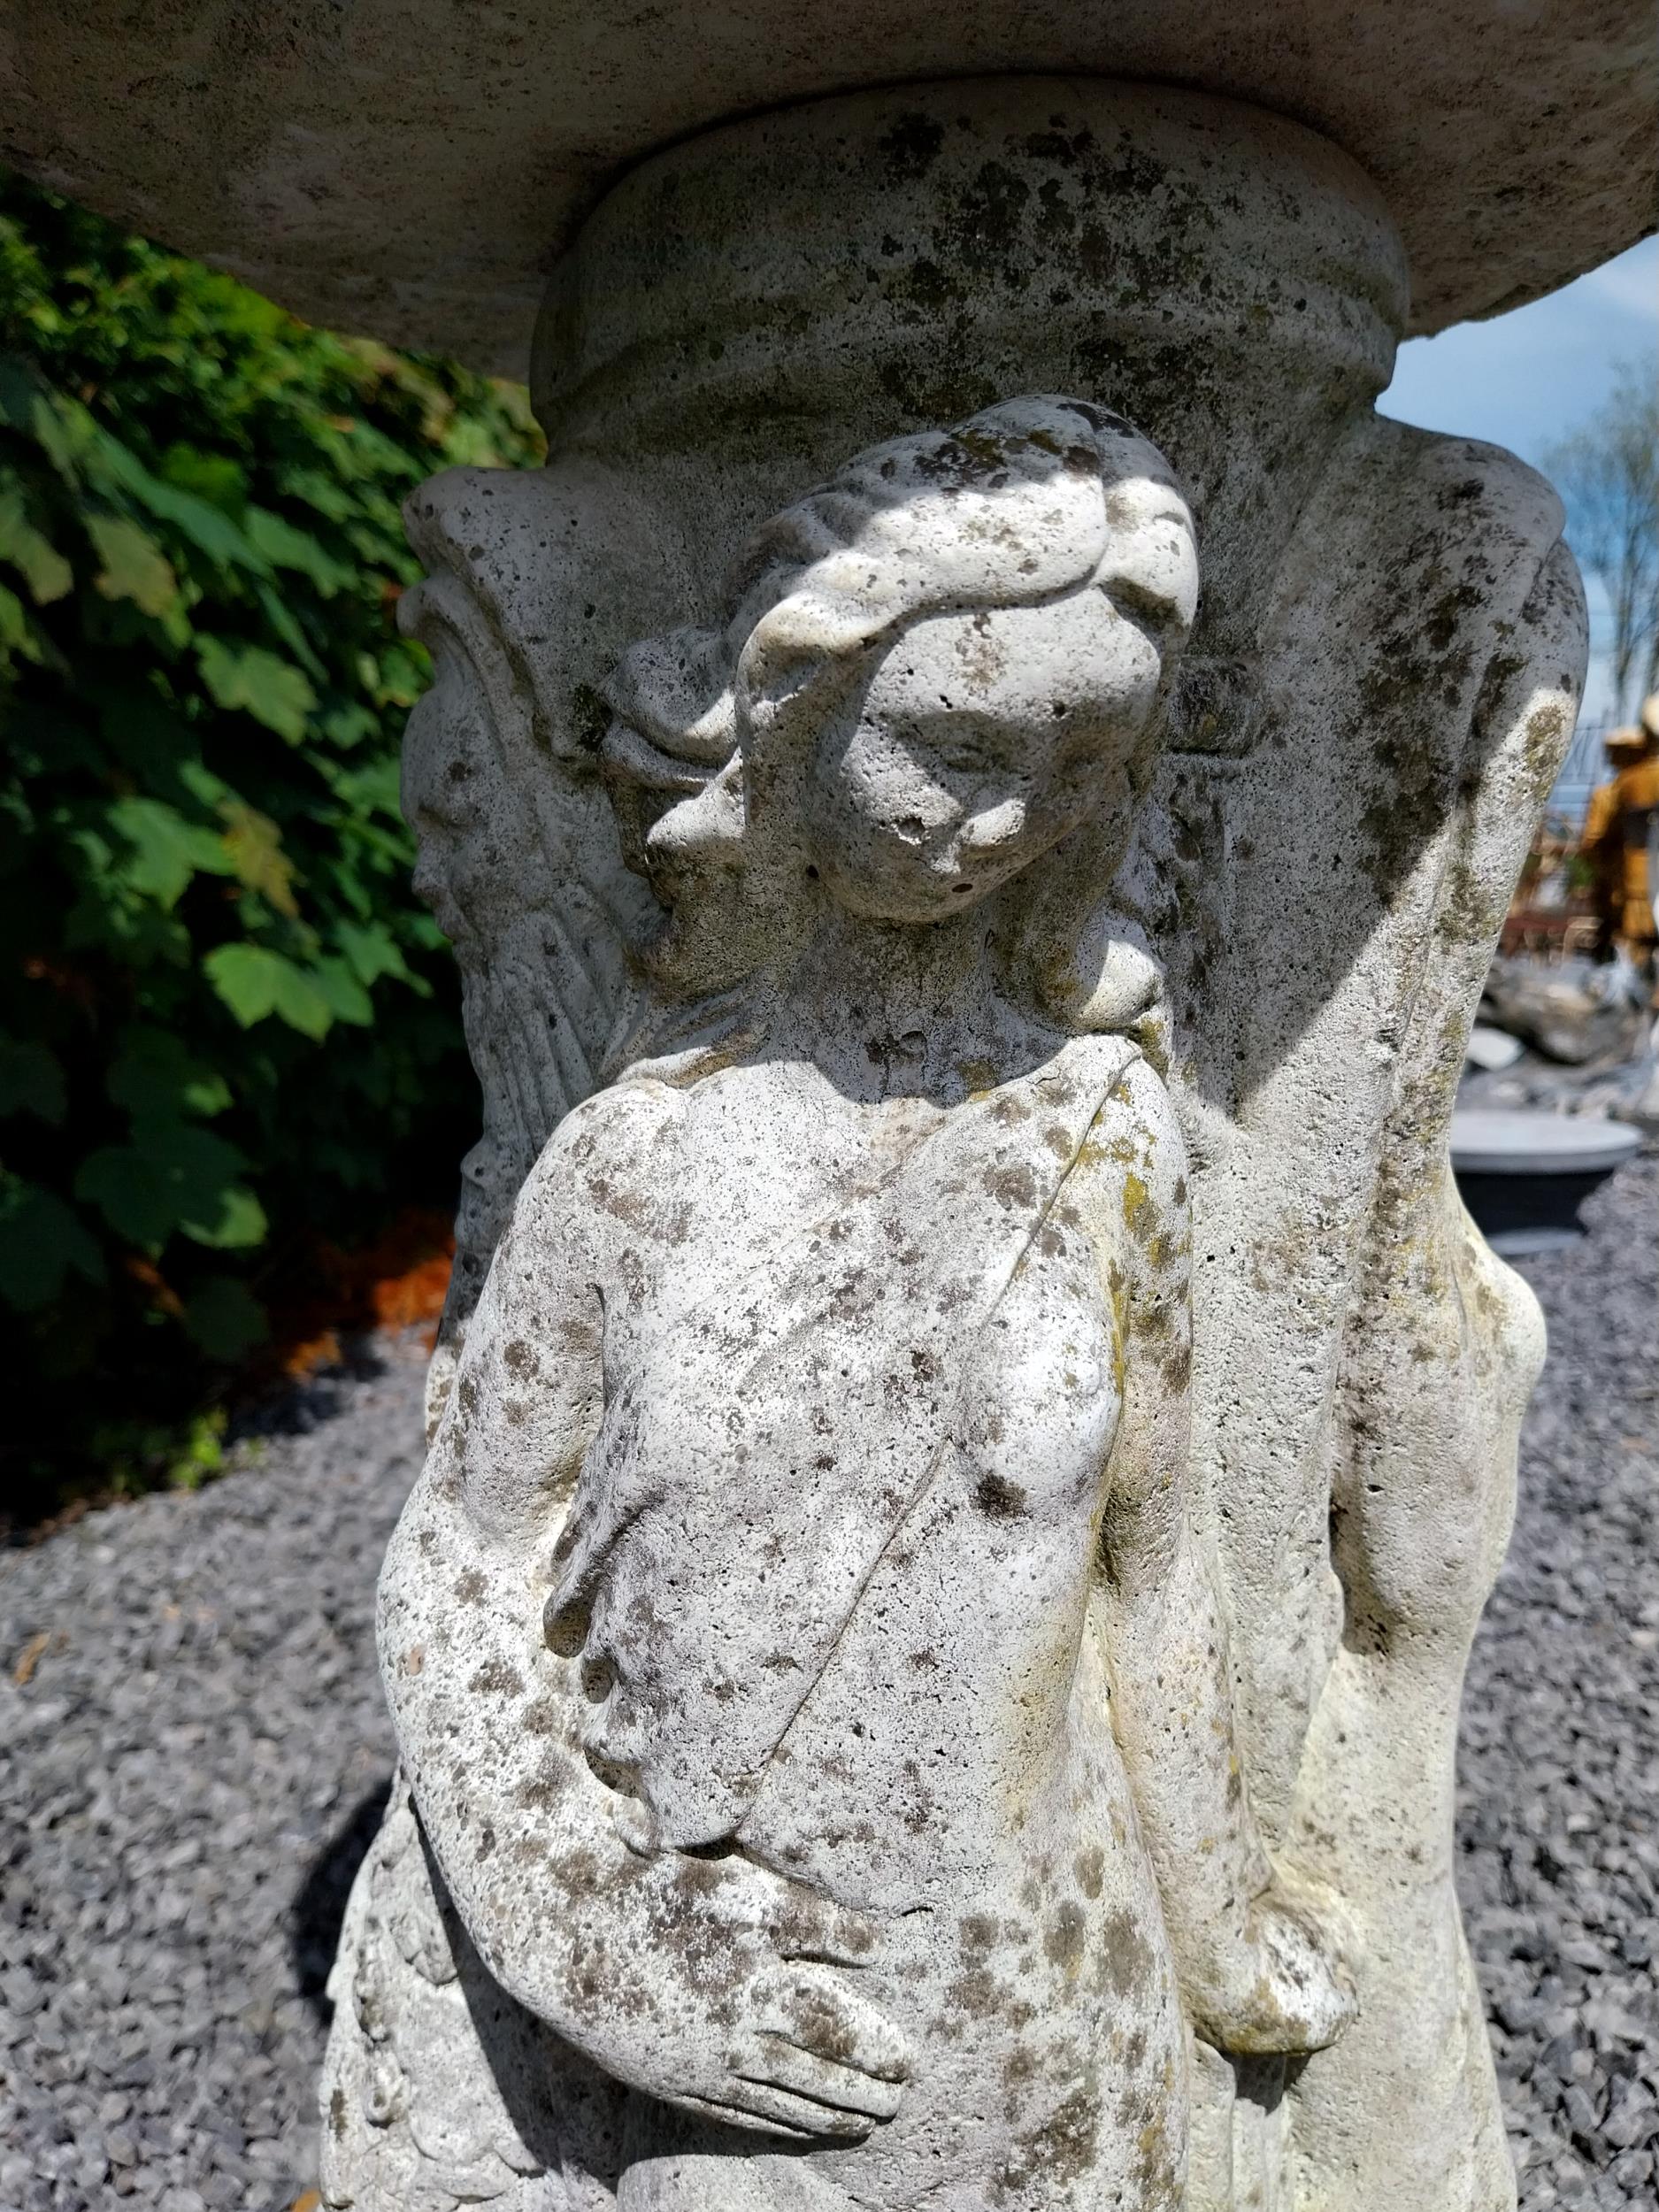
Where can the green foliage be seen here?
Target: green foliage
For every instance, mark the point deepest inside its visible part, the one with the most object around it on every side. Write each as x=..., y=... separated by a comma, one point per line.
x=223, y=1020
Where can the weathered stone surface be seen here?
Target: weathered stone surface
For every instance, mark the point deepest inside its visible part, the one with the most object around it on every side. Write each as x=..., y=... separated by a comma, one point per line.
x=866, y=1289
x=972, y=1433
x=408, y=168
x=820, y=1709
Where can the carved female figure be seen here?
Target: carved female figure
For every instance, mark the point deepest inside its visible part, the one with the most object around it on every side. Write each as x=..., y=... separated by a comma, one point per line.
x=802, y=1648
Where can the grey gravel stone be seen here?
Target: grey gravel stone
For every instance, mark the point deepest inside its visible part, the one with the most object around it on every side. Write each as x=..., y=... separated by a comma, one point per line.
x=188, y=1780
x=186, y=1785
x=1560, y=1763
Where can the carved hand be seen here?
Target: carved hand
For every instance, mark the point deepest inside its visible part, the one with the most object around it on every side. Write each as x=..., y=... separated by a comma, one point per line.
x=707, y=1981
x=788, y=2045
x=1285, y=1985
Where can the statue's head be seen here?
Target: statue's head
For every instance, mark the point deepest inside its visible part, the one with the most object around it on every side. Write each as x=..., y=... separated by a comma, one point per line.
x=936, y=667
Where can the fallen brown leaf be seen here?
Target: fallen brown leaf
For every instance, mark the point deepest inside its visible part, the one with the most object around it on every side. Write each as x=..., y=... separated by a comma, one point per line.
x=23, y=1673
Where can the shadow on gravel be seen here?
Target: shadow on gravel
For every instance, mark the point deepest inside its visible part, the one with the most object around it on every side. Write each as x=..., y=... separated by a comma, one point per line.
x=262, y=1408
x=319, y=1903
x=295, y=1405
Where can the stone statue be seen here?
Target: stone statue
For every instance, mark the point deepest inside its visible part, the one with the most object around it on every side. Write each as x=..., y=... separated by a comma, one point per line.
x=1268, y=924
x=1245, y=887
x=517, y=858
x=802, y=1640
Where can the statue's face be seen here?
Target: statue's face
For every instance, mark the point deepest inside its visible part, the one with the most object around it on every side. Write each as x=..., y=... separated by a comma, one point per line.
x=979, y=740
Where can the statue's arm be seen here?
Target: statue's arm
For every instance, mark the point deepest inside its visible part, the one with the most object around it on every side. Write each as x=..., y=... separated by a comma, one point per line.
x=1446, y=1343
x=1250, y=1957
x=711, y=1983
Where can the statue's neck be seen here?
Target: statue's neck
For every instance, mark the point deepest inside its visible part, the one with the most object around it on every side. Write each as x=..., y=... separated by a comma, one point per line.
x=885, y=1009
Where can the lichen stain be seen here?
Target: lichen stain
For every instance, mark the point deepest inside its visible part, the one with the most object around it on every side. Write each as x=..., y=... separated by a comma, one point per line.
x=1057, y=2151
x=1139, y=1210
x=1126, y=1961
x=998, y=1499
x=1063, y=1939
x=911, y=147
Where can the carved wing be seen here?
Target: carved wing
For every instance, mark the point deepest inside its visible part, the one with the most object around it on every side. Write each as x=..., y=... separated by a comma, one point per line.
x=518, y=852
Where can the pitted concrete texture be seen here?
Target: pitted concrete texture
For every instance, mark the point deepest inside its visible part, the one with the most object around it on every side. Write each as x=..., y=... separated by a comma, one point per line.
x=412, y=170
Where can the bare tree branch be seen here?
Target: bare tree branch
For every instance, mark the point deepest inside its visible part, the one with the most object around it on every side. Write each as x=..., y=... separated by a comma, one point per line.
x=1608, y=475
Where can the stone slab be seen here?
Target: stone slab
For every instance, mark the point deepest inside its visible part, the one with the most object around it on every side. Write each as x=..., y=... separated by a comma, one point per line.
x=1490, y=1140
x=412, y=169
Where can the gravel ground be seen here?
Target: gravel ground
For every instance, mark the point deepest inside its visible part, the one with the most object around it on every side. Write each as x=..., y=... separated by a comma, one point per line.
x=1560, y=1800
x=193, y=1754
x=186, y=1781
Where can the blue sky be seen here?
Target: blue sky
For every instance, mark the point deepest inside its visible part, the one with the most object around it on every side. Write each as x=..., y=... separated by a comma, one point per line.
x=1526, y=379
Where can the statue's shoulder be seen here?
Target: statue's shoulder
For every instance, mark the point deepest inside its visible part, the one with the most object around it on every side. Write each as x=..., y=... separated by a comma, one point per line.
x=1114, y=1106
x=1096, y=1065
x=1417, y=497
x=603, y=1155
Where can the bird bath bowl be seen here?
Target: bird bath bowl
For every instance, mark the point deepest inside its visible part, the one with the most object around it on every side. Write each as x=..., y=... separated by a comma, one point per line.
x=1523, y=1176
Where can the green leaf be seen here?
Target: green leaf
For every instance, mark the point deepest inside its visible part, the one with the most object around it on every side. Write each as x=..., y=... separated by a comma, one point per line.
x=253, y=845
x=274, y=691
x=350, y=724
x=402, y=676
x=60, y=431
x=236, y=1221
x=372, y=952
x=14, y=623
x=200, y=781
x=214, y=477
x=174, y=1176
x=31, y=1080
x=167, y=850
x=318, y=490
x=43, y=567
x=347, y=1001
x=207, y=528
x=288, y=632
x=253, y=982
x=225, y=1318
x=19, y=389
x=42, y=1242
x=134, y=566
x=156, y=1078
x=285, y=547
x=373, y=789
x=203, y=1442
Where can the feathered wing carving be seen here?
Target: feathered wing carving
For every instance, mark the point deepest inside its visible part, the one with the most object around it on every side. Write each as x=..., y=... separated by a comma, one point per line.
x=533, y=581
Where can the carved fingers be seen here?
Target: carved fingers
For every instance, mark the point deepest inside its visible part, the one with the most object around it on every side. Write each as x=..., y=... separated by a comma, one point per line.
x=803, y=1925
x=788, y=2044
x=817, y=2057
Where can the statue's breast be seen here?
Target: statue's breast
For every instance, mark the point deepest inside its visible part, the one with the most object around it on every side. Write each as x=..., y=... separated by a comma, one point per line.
x=778, y=1412
x=945, y=1712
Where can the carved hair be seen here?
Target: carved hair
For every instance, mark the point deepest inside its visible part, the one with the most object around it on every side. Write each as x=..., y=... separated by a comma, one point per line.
x=1030, y=501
